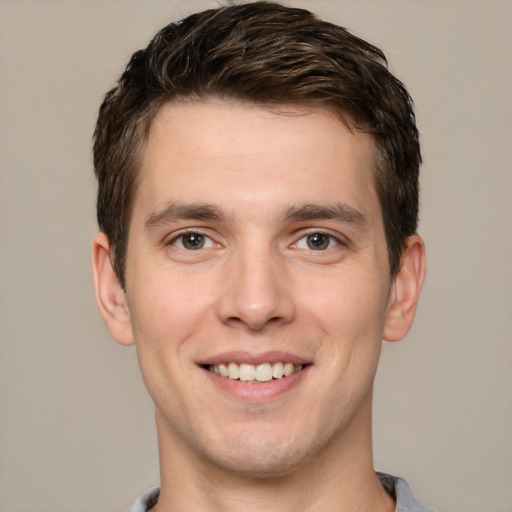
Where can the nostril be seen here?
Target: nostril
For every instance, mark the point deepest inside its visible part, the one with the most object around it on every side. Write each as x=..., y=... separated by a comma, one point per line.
x=255, y=323
x=254, y=298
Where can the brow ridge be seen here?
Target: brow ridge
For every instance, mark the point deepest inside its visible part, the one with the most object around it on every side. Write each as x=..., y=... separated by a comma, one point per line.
x=337, y=211
x=177, y=210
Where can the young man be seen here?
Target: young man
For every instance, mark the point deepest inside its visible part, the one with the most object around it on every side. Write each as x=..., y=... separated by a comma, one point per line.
x=258, y=197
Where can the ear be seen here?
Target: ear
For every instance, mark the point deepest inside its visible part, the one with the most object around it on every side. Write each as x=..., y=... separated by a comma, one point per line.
x=405, y=290
x=110, y=295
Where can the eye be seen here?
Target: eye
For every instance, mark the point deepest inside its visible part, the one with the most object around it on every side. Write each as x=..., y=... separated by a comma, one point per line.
x=192, y=241
x=317, y=242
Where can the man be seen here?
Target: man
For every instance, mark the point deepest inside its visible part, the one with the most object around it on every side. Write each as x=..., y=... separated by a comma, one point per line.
x=258, y=197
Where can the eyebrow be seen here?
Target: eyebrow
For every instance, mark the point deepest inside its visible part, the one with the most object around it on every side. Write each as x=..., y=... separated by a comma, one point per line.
x=202, y=211
x=175, y=210
x=337, y=211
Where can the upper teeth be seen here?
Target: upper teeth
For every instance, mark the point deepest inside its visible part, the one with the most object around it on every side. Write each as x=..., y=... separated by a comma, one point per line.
x=261, y=372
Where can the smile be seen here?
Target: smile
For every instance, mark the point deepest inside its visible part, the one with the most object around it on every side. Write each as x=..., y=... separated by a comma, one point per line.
x=254, y=373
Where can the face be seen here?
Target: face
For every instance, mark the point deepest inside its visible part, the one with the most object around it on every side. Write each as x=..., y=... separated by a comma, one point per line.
x=257, y=284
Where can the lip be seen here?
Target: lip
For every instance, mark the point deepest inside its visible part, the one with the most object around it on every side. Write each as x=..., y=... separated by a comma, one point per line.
x=255, y=392
x=252, y=358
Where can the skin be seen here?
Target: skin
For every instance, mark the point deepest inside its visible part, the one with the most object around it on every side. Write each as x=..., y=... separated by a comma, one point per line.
x=261, y=186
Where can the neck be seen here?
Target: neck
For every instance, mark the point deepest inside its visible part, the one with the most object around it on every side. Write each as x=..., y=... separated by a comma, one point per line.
x=338, y=477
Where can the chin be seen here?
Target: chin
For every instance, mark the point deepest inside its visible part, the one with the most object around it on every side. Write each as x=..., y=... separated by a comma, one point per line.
x=263, y=466
x=258, y=456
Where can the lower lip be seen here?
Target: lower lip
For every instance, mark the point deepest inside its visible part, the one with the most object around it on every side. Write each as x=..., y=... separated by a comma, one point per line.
x=256, y=391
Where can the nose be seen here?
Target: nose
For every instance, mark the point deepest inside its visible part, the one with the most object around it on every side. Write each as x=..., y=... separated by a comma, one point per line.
x=256, y=290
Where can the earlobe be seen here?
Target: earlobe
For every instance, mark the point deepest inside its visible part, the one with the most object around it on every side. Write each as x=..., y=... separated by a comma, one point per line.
x=405, y=290
x=110, y=296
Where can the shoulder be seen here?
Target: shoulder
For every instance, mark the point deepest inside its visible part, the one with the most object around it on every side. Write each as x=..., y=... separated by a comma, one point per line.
x=146, y=500
x=395, y=486
x=400, y=490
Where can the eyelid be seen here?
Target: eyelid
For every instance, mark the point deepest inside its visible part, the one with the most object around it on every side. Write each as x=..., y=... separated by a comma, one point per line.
x=172, y=238
x=337, y=237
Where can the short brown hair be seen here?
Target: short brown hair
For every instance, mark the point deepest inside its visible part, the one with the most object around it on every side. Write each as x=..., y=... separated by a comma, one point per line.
x=267, y=54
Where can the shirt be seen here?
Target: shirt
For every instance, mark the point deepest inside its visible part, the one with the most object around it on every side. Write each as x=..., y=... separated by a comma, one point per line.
x=395, y=486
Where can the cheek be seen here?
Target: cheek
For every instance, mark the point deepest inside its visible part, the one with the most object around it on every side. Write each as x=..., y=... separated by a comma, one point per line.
x=348, y=305
x=350, y=311
x=168, y=306
x=169, y=314
x=166, y=314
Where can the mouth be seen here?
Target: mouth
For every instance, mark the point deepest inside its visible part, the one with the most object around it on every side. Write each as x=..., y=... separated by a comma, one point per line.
x=255, y=377
x=254, y=373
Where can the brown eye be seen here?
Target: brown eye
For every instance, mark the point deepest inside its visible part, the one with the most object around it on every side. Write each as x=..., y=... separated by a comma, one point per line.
x=318, y=241
x=191, y=241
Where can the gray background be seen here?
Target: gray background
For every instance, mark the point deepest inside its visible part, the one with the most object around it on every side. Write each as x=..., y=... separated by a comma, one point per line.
x=76, y=425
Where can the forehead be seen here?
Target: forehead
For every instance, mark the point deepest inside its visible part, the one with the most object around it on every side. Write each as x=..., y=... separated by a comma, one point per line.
x=236, y=153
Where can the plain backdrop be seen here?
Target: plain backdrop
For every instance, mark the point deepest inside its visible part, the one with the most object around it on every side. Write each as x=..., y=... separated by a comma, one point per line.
x=76, y=424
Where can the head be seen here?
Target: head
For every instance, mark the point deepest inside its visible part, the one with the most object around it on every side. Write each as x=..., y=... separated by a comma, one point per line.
x=261, y=54
x=258, y=200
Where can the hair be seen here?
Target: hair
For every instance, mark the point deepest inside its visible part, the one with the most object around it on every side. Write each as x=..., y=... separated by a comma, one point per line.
x=265, y=54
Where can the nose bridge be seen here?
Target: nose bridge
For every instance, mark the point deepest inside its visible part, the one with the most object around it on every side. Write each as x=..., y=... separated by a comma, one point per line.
x=254, y=291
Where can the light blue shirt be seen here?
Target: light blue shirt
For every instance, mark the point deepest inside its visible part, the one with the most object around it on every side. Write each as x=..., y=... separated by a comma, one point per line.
x=395, y=486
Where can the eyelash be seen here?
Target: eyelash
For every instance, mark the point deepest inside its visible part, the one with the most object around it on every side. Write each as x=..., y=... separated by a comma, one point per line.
x=201, y=237
x=204, y=241
x=333, y=241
